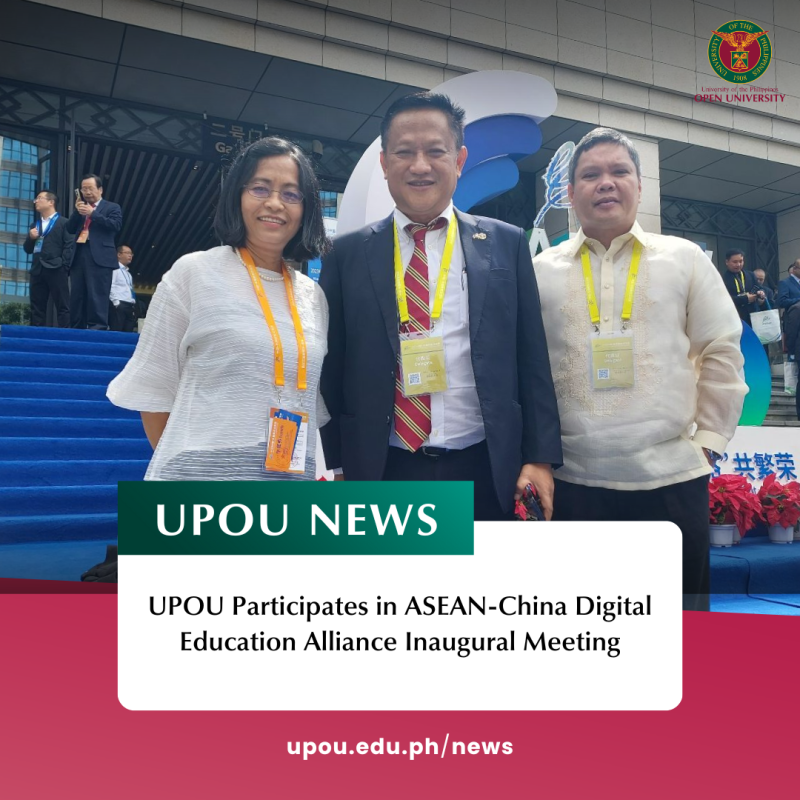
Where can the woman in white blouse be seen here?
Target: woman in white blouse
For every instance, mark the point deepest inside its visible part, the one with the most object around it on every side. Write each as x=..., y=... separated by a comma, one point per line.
x=226, y=371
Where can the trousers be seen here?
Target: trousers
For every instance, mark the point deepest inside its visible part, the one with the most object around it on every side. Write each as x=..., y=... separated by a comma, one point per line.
x=685, y=504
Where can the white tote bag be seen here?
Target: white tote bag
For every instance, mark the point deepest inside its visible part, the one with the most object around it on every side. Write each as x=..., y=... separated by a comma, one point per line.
x=789, y=377
x=767, y=325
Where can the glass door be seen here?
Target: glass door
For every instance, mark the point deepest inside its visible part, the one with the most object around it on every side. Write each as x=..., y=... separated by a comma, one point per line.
x=25, y=169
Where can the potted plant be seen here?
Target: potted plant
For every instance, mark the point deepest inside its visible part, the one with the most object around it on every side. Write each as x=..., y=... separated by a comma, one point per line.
x=780, y=503
x=732, y=505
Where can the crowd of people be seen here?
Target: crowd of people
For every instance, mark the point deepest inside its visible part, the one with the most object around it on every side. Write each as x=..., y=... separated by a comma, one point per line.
x=603, y=378
x=77, y=266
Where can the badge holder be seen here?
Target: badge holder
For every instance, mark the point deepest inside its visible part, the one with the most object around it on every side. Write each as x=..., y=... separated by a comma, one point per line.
x=422, y=366
x=611, y=360
x=287, y=441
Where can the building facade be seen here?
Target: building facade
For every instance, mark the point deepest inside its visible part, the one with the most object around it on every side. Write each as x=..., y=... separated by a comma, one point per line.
x=155, y=96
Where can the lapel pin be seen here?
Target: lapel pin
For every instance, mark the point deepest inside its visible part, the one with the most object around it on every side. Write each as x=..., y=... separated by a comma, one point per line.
x=478, y=235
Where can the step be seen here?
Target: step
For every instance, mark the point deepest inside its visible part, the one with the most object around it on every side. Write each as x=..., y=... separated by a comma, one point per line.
x=62, y=361
x=66, y=334
x=72, y=449
x=66, y=346
x=25, y=501
x=70, y=473
x=67, y=527
x=44, y=427
x=21, y=390
x=43, y=375
x=68, y=409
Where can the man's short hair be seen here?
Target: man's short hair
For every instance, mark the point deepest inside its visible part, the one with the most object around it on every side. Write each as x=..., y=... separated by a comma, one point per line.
x=603, y=136
x=758, y=269
x=122, y=246
x=425, y=100
x=794, y=264
x=51, y=196
x=97, y=179
x=729, y=254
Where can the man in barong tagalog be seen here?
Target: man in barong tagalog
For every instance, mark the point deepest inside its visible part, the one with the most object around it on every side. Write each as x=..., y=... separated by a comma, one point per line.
x=644, y=350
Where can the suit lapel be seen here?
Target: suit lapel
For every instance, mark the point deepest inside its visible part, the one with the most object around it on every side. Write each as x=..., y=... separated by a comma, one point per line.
x=476, y=246
x=379, y=247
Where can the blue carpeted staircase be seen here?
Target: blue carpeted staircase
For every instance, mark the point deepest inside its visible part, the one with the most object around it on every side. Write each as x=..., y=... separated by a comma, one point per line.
x=63, y=447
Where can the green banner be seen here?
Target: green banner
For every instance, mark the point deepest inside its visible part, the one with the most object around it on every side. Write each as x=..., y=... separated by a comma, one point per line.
x=295, y=518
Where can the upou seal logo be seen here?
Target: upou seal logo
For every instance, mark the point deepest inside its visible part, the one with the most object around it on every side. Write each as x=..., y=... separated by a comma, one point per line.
x=740, y=51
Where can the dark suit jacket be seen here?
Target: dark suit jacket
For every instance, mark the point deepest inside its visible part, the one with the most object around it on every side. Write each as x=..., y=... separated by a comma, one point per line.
x=788, y=292
x=508, y=351
x=740, y=300
x=58, y=247
x=106, y=222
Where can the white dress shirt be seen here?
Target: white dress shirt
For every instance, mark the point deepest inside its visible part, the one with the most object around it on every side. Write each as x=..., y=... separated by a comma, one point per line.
x=122, y=286
x=687, y=361
x=456, y=420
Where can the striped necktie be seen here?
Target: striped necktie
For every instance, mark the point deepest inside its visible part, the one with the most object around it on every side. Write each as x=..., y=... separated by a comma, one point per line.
x=412, y=415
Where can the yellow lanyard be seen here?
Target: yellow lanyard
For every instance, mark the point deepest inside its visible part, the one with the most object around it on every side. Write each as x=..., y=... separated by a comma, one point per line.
x=591, y=298
x=444, y=272
x=302, y=355
x=739, y=288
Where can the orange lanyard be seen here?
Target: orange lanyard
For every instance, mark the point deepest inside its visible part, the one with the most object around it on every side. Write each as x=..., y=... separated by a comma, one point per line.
x=302, y=354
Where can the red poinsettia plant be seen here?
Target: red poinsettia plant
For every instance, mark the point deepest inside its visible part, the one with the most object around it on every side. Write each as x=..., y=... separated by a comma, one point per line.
x=780, y=502
x=731, y=501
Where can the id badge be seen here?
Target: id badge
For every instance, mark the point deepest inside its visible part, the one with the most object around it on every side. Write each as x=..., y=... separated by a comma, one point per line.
x=611, y=360
x=422, y=366
x=37, y=248
x=287, y=441
x=83, y=236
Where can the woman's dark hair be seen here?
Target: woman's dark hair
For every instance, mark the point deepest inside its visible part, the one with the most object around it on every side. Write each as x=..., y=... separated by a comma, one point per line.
x=310, y=241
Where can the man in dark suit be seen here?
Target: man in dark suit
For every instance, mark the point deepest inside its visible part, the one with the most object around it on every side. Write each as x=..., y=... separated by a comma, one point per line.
x=95, y=222
x=789, y=288
x=490, y=416
x=742, y=286
x=52, y=249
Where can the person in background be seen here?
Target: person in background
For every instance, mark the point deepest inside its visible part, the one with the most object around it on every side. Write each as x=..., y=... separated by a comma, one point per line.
x=742, y=286
x=644, y=347
x=789, y=288
x=52, y=248
x=226, y=371
x=95, y=222
x=122, y=300
x=761, y=280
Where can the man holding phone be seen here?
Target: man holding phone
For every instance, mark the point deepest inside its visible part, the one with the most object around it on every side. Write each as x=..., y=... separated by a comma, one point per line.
x=95, y=221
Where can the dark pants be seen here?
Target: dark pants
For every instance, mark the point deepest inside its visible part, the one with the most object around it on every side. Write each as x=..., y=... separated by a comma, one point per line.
x=89, y=291
x=49, y=283
x=685, y=504
x=122, y=317
x=470, y=464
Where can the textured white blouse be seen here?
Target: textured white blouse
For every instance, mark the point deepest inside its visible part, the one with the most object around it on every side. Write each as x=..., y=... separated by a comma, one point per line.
x=687, y=361
x=206, y=357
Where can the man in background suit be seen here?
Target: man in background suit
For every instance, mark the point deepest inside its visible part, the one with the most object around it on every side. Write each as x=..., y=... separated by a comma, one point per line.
x=496, y=423
x=761, y=280
x=96, y=222
x=52, y=249
x=742, y=286
x=789, y=288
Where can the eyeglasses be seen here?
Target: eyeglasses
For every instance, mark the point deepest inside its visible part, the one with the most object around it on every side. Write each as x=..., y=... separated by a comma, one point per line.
x=261, y=192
